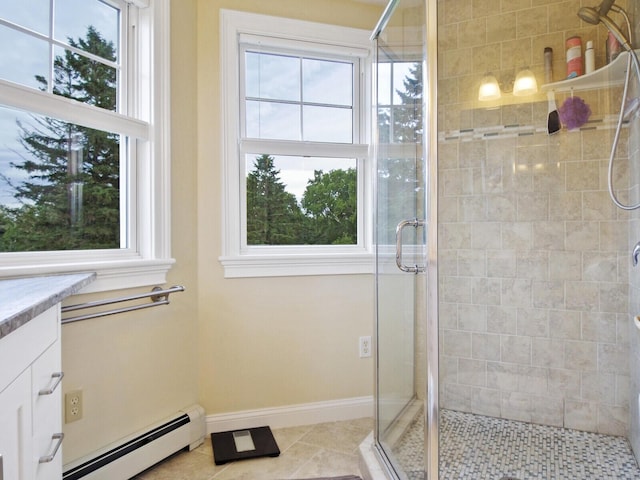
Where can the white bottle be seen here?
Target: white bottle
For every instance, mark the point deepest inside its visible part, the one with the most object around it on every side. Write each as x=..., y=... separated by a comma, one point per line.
x=589, y=58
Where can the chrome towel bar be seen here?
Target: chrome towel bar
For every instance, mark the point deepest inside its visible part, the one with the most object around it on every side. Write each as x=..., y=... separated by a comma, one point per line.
x=157, y=295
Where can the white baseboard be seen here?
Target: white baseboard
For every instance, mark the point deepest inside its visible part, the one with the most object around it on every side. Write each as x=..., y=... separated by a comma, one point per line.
x=292, y=415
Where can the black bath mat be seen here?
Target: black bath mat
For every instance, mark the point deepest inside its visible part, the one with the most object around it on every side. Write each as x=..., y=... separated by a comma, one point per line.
x=243, y=444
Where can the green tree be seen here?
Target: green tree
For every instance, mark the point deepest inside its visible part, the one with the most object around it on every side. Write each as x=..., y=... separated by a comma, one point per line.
x=331, y=205
x=273, y=214
x=71, y=199
x=399, y=190
x=408, y=116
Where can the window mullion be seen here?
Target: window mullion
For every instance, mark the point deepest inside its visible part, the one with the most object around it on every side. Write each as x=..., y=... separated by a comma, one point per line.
x=305, y=149
x=68, y=110
x=51, y=48
x=301, y=112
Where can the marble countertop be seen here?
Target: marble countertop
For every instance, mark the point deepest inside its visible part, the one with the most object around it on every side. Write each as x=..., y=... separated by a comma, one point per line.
x=22, y=299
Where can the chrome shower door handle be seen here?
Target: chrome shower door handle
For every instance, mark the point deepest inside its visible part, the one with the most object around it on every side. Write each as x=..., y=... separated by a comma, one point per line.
x=635, y=254
x=415, y=223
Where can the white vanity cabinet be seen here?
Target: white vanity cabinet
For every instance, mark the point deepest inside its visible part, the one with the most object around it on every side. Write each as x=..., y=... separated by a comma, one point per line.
x=30, y=400
x=16, y=446
x=30, y=375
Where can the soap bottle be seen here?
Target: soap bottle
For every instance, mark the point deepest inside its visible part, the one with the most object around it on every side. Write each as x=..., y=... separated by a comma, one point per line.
x=589, y=58
x=574, y=57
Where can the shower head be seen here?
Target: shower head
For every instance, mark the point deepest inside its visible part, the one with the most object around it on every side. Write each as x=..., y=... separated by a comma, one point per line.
x=593, y=16
x=589, y=15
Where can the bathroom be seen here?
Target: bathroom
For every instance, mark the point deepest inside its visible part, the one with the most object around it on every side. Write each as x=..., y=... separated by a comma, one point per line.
x=537, y=292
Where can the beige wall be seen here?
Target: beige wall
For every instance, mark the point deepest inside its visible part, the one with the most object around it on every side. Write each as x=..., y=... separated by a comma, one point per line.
x=228, y=345
x=135, y=369
x=269, y=342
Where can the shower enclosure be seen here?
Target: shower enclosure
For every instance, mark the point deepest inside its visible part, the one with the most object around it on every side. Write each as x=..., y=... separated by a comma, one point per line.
x=405, y=239
x=506, y=293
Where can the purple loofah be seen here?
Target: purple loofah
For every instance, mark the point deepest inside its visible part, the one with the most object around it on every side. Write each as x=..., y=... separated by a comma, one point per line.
x=574, y=112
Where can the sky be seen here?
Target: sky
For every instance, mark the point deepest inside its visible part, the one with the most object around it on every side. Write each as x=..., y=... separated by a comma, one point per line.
x=29, y=56
x=281, y=87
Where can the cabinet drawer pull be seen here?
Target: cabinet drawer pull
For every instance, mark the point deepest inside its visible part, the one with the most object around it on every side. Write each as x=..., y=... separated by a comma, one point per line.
x=49, y=458
x=48, y=391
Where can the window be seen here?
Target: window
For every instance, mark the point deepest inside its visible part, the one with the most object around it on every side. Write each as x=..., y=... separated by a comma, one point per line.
x=296, y=155
x=82, y=184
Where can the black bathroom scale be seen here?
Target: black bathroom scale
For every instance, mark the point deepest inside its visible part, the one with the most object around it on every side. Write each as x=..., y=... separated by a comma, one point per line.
x=243, y=444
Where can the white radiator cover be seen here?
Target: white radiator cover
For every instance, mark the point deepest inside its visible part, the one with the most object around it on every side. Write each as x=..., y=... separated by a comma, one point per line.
x=139, y=451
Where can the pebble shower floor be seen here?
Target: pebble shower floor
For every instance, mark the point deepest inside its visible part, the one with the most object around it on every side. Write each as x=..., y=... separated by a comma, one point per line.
x=474, y=447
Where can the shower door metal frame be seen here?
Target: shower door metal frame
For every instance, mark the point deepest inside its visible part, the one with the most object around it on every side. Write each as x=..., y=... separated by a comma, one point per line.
x=430, y=115
x=429, y=146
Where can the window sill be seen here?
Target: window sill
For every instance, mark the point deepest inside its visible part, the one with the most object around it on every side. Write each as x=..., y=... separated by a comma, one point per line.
x=247, y=266
x=111, y=275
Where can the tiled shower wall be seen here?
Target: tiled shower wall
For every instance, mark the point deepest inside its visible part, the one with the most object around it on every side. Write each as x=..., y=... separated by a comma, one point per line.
x=533, y=256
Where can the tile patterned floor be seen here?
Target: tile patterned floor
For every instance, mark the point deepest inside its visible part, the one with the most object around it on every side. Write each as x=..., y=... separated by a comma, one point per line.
x=477, y=447
x=472, y=448
x=326, y=449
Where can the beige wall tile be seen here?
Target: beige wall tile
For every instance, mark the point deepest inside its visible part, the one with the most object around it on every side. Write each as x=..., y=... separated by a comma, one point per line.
x=501, y=319
x=482, y=8
x=581, y=415
x=613, y=420
x=516, y=406
x=515, y=349
x=456, y=11
x=485, y=346
x=581, y=356
x=531, y=22
x=502, y=376
x=599, y=387
x=547, y=411
x=472, y=372
x=547, y=352
x=533, y=322
x=511, y=5
x=485, y=291
x=564, y=16
x=472, y=32
x=501, y=27
x=486, y=402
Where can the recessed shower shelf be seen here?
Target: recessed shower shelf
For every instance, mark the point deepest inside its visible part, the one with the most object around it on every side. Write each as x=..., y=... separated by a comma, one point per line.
x=611, y=74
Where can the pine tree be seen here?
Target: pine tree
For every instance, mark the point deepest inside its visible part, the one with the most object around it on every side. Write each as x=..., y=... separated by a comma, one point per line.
x=398, y=184
x=273, y=214
x=408, y=117
x=71, y=199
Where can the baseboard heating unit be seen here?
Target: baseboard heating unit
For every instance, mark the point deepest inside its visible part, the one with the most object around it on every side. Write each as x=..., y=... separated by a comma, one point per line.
x=136, y=453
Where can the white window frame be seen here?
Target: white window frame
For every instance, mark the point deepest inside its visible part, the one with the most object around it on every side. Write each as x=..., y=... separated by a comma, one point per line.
x=147, y=125
x=239, y=259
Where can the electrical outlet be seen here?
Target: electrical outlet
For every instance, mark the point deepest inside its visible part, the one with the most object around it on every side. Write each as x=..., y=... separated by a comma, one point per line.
x=365, y=346
x=73, y=407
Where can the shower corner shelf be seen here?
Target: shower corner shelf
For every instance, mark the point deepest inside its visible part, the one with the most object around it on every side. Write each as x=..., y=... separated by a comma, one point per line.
x=611, y=74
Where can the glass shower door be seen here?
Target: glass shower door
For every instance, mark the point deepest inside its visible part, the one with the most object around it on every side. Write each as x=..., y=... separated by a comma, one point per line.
x=401, y=260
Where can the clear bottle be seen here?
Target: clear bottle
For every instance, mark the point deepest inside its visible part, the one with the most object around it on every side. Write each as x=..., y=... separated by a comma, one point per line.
x=589, y=58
